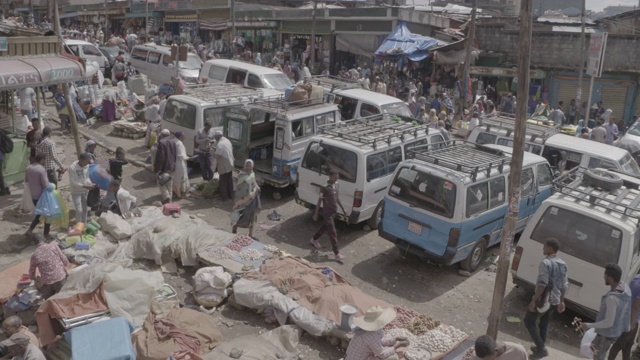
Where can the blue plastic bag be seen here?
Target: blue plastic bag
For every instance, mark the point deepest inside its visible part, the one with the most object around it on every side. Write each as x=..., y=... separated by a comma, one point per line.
x=48, y=204
x=99, y=176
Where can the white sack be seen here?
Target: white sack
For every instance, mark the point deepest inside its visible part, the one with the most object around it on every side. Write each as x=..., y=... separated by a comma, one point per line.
x=129, y=293
x=115, y=225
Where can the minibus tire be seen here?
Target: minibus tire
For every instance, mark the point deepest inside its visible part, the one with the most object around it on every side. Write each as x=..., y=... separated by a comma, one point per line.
x=373, y=220
x=466, y=264
x=602, y=179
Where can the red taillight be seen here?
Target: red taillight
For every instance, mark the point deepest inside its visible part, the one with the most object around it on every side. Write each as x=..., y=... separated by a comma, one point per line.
x=516, y=259
x=454, y=236
x=357, y=198
x=286, y=171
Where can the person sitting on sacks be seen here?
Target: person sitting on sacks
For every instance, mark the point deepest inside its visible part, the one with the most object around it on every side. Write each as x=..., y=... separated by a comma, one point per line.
x=20, y=347
x=13, y=325
x=369, y=342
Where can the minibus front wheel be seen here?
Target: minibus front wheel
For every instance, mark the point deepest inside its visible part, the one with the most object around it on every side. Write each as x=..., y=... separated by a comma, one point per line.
x=473, y=261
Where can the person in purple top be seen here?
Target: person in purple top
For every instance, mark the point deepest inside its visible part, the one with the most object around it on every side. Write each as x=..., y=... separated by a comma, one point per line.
x=625, y=341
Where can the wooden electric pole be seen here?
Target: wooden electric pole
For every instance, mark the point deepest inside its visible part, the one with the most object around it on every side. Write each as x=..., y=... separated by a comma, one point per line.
x=508, y=230
x=312, y=51
x=581, y=74
x=471, y=34
x=65, y=86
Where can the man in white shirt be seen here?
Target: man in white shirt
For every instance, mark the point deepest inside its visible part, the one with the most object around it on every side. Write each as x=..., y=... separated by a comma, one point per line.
x=27, y=101
x=599, y=133
x=125, y=202
x=486, y=348
x=80, y=185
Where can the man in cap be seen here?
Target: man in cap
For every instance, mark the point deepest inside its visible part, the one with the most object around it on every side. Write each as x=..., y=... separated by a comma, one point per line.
x=165, y=165
x=224, y=164
x=369, y=342
x=19, y=346
x=13, y=325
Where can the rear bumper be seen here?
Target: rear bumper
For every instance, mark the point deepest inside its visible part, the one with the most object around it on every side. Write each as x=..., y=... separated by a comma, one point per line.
x=409, y=248
x=276, y=182
x=353, y=218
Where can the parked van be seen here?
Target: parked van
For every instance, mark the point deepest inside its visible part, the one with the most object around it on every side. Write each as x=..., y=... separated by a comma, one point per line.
x=206, y=103
x=365, y=152
x=274, y=133
x=154, y=61
x=448, y=205
x=244, y=73
x=563, y=152
x=595, y=215
x=87, y=51
x=357, y=102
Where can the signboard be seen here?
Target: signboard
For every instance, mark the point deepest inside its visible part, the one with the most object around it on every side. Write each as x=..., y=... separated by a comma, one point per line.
x=597, y=46
x=4, y=44
x=506, y=72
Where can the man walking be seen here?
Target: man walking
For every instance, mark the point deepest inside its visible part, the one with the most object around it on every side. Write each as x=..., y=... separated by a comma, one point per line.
x=224, y=164
x=551, y=285
x=27, y=101
x=599, y=134
x=165, y=165
x=625, y=341
x=47, y=147
x=611, y=131
x=80, y=185
x=615, y=312
x=329, y=201
x=33, y=136
x=36, y=179
x=557, y=115
x=51, y=264
x=204, y=138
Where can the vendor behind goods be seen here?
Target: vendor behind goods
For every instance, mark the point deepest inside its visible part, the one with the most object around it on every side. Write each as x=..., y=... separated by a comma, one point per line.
x=369, y=342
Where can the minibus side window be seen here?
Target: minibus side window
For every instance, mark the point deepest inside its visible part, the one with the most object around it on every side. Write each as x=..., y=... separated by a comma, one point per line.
x=154, y=57
x=526, y=183
x=477, y=199
x=323, y=157
x=217, y=72
x=496, y=192
x=181, y=114
x=486, y=138
x=139, y=54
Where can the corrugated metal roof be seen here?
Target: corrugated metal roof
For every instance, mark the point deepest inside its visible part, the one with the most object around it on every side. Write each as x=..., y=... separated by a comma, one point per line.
x=563, y=20
x=572, y=29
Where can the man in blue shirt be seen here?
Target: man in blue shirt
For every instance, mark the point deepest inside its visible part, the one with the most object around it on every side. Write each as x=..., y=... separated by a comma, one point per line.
x=625, y=341
x=435, y=104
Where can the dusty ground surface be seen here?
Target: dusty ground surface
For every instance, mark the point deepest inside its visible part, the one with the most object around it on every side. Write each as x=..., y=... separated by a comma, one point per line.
x=372, y=263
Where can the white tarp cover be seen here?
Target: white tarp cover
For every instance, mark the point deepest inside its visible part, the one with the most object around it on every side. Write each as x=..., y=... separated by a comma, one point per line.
x=171, y=238
x=129, y=293
x=263, y=294
x=276, y=344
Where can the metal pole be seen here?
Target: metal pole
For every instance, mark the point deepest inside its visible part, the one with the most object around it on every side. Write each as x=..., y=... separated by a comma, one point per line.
x=312, y=51
x=146, y=21
x=508, y=230
x=232, y=46
x=467, y=60
x=582, y=59
x=106, y=23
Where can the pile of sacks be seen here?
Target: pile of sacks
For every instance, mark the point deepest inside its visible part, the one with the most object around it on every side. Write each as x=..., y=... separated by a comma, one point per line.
x=211, y=285
x=304, y=92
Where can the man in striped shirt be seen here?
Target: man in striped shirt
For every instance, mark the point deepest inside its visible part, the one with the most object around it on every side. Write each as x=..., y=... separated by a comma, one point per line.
x=47, y=147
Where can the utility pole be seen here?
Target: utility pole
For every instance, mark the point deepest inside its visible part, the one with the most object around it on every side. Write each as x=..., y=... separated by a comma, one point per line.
x=312, y=51
x=233, y=28
x=146, y=20
x=471, y=34
x=106, y=23
x=582, y=60
x=65, y=86
x=508, y=230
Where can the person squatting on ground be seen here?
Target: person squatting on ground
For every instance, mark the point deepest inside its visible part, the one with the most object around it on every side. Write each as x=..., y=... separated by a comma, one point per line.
x=551, y=286
x=51, y=263
x=486, y=348
x=329, y=200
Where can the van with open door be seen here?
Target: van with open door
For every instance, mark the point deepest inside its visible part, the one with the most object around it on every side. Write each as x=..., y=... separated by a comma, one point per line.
x=595, y=215
x=155, y=62
x=448, y=205
x=87, y=51
x=274, y=134
x=365, y=152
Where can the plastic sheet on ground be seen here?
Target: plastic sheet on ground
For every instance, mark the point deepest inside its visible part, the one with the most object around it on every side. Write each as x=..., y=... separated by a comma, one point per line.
x=102, y=340
x=177, y=238
x=115, y=225
x=276, y=344
x=102, y=248
x=129, y=293
x=263, y=294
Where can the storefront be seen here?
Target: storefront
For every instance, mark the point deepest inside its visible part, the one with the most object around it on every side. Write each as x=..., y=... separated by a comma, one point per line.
x=184, y=25
x=296, y=41
x=505, y=80
x=617, y=92
x=212, y=24
x=357, y=41
x=259, y=36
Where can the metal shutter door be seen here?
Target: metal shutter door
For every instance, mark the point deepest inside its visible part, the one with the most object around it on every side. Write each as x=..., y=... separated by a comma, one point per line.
x=566, y=92
x=613, y=97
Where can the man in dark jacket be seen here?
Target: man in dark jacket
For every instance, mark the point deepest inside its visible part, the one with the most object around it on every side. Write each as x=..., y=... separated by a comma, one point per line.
x=165, y=165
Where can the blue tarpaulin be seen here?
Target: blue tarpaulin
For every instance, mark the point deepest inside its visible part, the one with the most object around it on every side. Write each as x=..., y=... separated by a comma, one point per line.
x=401, y=42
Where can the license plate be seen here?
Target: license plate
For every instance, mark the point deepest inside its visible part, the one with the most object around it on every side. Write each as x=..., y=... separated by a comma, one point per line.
x=415, y=228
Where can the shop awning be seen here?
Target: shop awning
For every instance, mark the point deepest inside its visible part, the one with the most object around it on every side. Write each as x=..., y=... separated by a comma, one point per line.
x=214, y=24
x=363, y=45
x=401, y=42
x=17, y=73
x=142, y=15
x=181, y=18
x=68, y=15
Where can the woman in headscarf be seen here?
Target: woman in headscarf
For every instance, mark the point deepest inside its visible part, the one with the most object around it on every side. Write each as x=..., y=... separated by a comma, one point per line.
x=181, y=176
x=606, y=115
x=258, y=60
x=421, y=104
x=433, y=119
x=246, y=201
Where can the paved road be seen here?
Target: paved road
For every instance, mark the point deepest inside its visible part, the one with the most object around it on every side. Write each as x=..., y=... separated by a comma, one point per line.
x=372, y=264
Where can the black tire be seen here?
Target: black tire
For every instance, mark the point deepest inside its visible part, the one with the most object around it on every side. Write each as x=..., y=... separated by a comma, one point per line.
x=602, y=179
x=473, y=261
x=375, y=218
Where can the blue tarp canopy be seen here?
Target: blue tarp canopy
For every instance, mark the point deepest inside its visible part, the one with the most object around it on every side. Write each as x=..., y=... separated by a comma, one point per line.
x=401, y=42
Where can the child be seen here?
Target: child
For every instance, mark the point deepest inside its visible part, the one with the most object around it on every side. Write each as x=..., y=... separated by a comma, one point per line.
x=115, y=165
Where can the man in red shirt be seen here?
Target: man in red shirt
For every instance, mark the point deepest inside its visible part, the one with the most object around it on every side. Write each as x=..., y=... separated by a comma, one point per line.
x=51, y=263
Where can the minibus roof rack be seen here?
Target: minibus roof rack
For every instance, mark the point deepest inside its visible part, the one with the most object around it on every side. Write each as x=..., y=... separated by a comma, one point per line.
x=624, y=201
x=333, y=82
x=467, y=158
x=374, y=129
x=534, y=131
x=221, y=93
x=279, y=103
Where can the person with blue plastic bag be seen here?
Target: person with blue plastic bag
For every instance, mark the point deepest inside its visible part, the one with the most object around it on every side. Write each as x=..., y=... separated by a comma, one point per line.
x=80, y=186
x=35, y=178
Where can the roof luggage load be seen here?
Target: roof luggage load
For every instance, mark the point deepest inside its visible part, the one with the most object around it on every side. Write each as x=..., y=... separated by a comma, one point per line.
x=467, y=158
x=508, y=123
x=374, y=129
x=332, y=83
x=217, y=93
